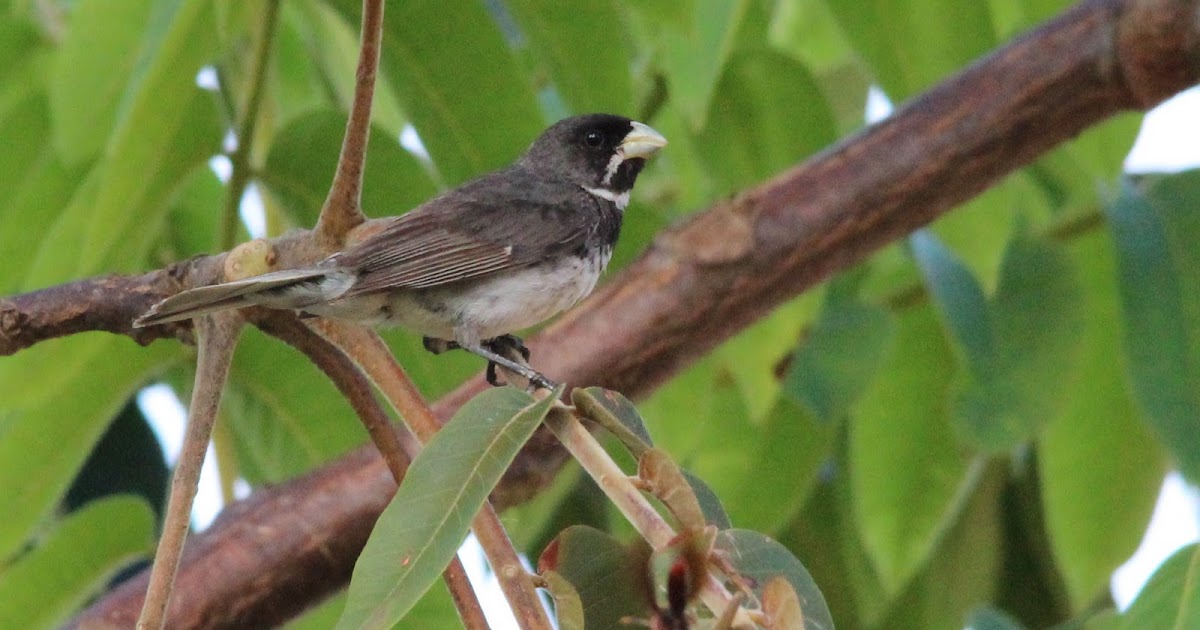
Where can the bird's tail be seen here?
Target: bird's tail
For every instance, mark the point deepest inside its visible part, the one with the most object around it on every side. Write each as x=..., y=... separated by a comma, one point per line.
x=289, y=288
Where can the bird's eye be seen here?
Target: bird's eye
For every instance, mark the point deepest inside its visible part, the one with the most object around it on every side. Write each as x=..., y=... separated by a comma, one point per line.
x=594, y=139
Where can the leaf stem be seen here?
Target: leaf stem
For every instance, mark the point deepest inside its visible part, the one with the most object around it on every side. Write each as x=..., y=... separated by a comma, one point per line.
x=240, y=174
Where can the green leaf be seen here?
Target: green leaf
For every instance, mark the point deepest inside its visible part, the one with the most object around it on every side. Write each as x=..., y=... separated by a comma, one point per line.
x=760, y=558
x=1012, y=16
x=781, y=474
x=908, y=477
x=420, y=530
x=959, y=299
x=992, y=619
x=841, y=355
x=568, y=607
x=965, y=567
x=456, y=78
x=751, y=357
x=323, y=616
x=978, y=232
x=1171, y=598
x=826, y=535
x=74, y=562
x=604, y=573
x=615, y=413
x=573, y=498
x=1155, y=233
x=751, y=132
x=164, y=120
x=37, y=187
x=571, y=36
x=285, y=415
x=914, y=43
x=58, y=397
x=107, y=42
x=808, y=31
x=1036, y=315
x=694, y=46
x=294, y=78
x=710, y=504
x=332, y=46
x=166, y=129
x=192, y=224
x=1099, y=466
x=300, y=165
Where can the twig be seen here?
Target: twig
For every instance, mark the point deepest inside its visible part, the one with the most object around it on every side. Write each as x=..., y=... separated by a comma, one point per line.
x=241, y=170
x=617, y=486
x=217, y=337
x=396, y=444
x=370, y=352
x=343, y=207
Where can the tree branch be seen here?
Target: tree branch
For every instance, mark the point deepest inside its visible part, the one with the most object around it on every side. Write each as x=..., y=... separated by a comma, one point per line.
x=218, y=337
x=705, y=280
x=343, y=208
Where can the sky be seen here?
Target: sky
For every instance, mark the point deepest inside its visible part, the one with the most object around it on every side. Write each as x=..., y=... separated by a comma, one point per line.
x=1169, y=141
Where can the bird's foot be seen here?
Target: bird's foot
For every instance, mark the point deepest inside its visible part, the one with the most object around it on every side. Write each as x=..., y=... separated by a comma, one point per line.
x=438, y=346
x=506, y=345
x=507, y=351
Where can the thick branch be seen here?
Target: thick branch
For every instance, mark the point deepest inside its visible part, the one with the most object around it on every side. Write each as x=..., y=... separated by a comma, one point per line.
x=104, y=303
x=703, y=281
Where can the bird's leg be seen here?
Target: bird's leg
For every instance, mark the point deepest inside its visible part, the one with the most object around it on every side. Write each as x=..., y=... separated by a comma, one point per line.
x=438, y=346
x=495, y=359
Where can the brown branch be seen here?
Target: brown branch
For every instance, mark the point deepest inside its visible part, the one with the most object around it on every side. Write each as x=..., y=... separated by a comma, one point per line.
x=218, y=337
x=108, y=303
x=343, y=207
x=396, y=444
x=704, y=280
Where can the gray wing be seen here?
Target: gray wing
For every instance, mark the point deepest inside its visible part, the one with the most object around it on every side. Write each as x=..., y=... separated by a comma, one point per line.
x=276, y=289
x=491, y=224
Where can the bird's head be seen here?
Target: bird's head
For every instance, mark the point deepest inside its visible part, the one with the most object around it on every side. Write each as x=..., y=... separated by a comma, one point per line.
x=600, y=152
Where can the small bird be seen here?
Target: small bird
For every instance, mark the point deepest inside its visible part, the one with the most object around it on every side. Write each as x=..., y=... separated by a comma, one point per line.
x=470, y=267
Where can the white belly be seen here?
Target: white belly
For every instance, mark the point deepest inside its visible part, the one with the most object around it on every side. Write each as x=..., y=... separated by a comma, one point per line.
x=482, y=309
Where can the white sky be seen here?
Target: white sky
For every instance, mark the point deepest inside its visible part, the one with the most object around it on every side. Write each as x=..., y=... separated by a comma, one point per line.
x=1169, y=141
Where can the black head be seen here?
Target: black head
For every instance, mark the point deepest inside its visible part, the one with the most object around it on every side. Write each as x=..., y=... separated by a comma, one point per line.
x=596, y=151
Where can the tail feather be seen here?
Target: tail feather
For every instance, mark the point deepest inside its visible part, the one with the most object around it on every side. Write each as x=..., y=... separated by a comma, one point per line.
x=264, y=289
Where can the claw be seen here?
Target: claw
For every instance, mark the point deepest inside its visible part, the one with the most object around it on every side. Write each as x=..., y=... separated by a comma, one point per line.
x=491, y=375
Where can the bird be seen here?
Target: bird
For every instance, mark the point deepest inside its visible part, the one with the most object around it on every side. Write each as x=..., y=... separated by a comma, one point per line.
x=477, y=263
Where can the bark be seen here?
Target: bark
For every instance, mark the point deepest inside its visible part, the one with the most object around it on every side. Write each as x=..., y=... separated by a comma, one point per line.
x=285, y=548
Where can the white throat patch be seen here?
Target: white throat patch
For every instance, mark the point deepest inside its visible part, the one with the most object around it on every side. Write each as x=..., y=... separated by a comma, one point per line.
x=621, y=199
x=613, y=164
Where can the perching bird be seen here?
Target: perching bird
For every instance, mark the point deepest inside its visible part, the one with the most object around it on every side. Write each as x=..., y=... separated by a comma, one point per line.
x=470, y=267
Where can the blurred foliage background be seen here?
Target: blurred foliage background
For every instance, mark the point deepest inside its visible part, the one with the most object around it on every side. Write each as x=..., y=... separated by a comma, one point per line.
x=975, y=420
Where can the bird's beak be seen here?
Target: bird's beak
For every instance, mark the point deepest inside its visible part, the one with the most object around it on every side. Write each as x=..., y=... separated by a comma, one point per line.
x=642, y=142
